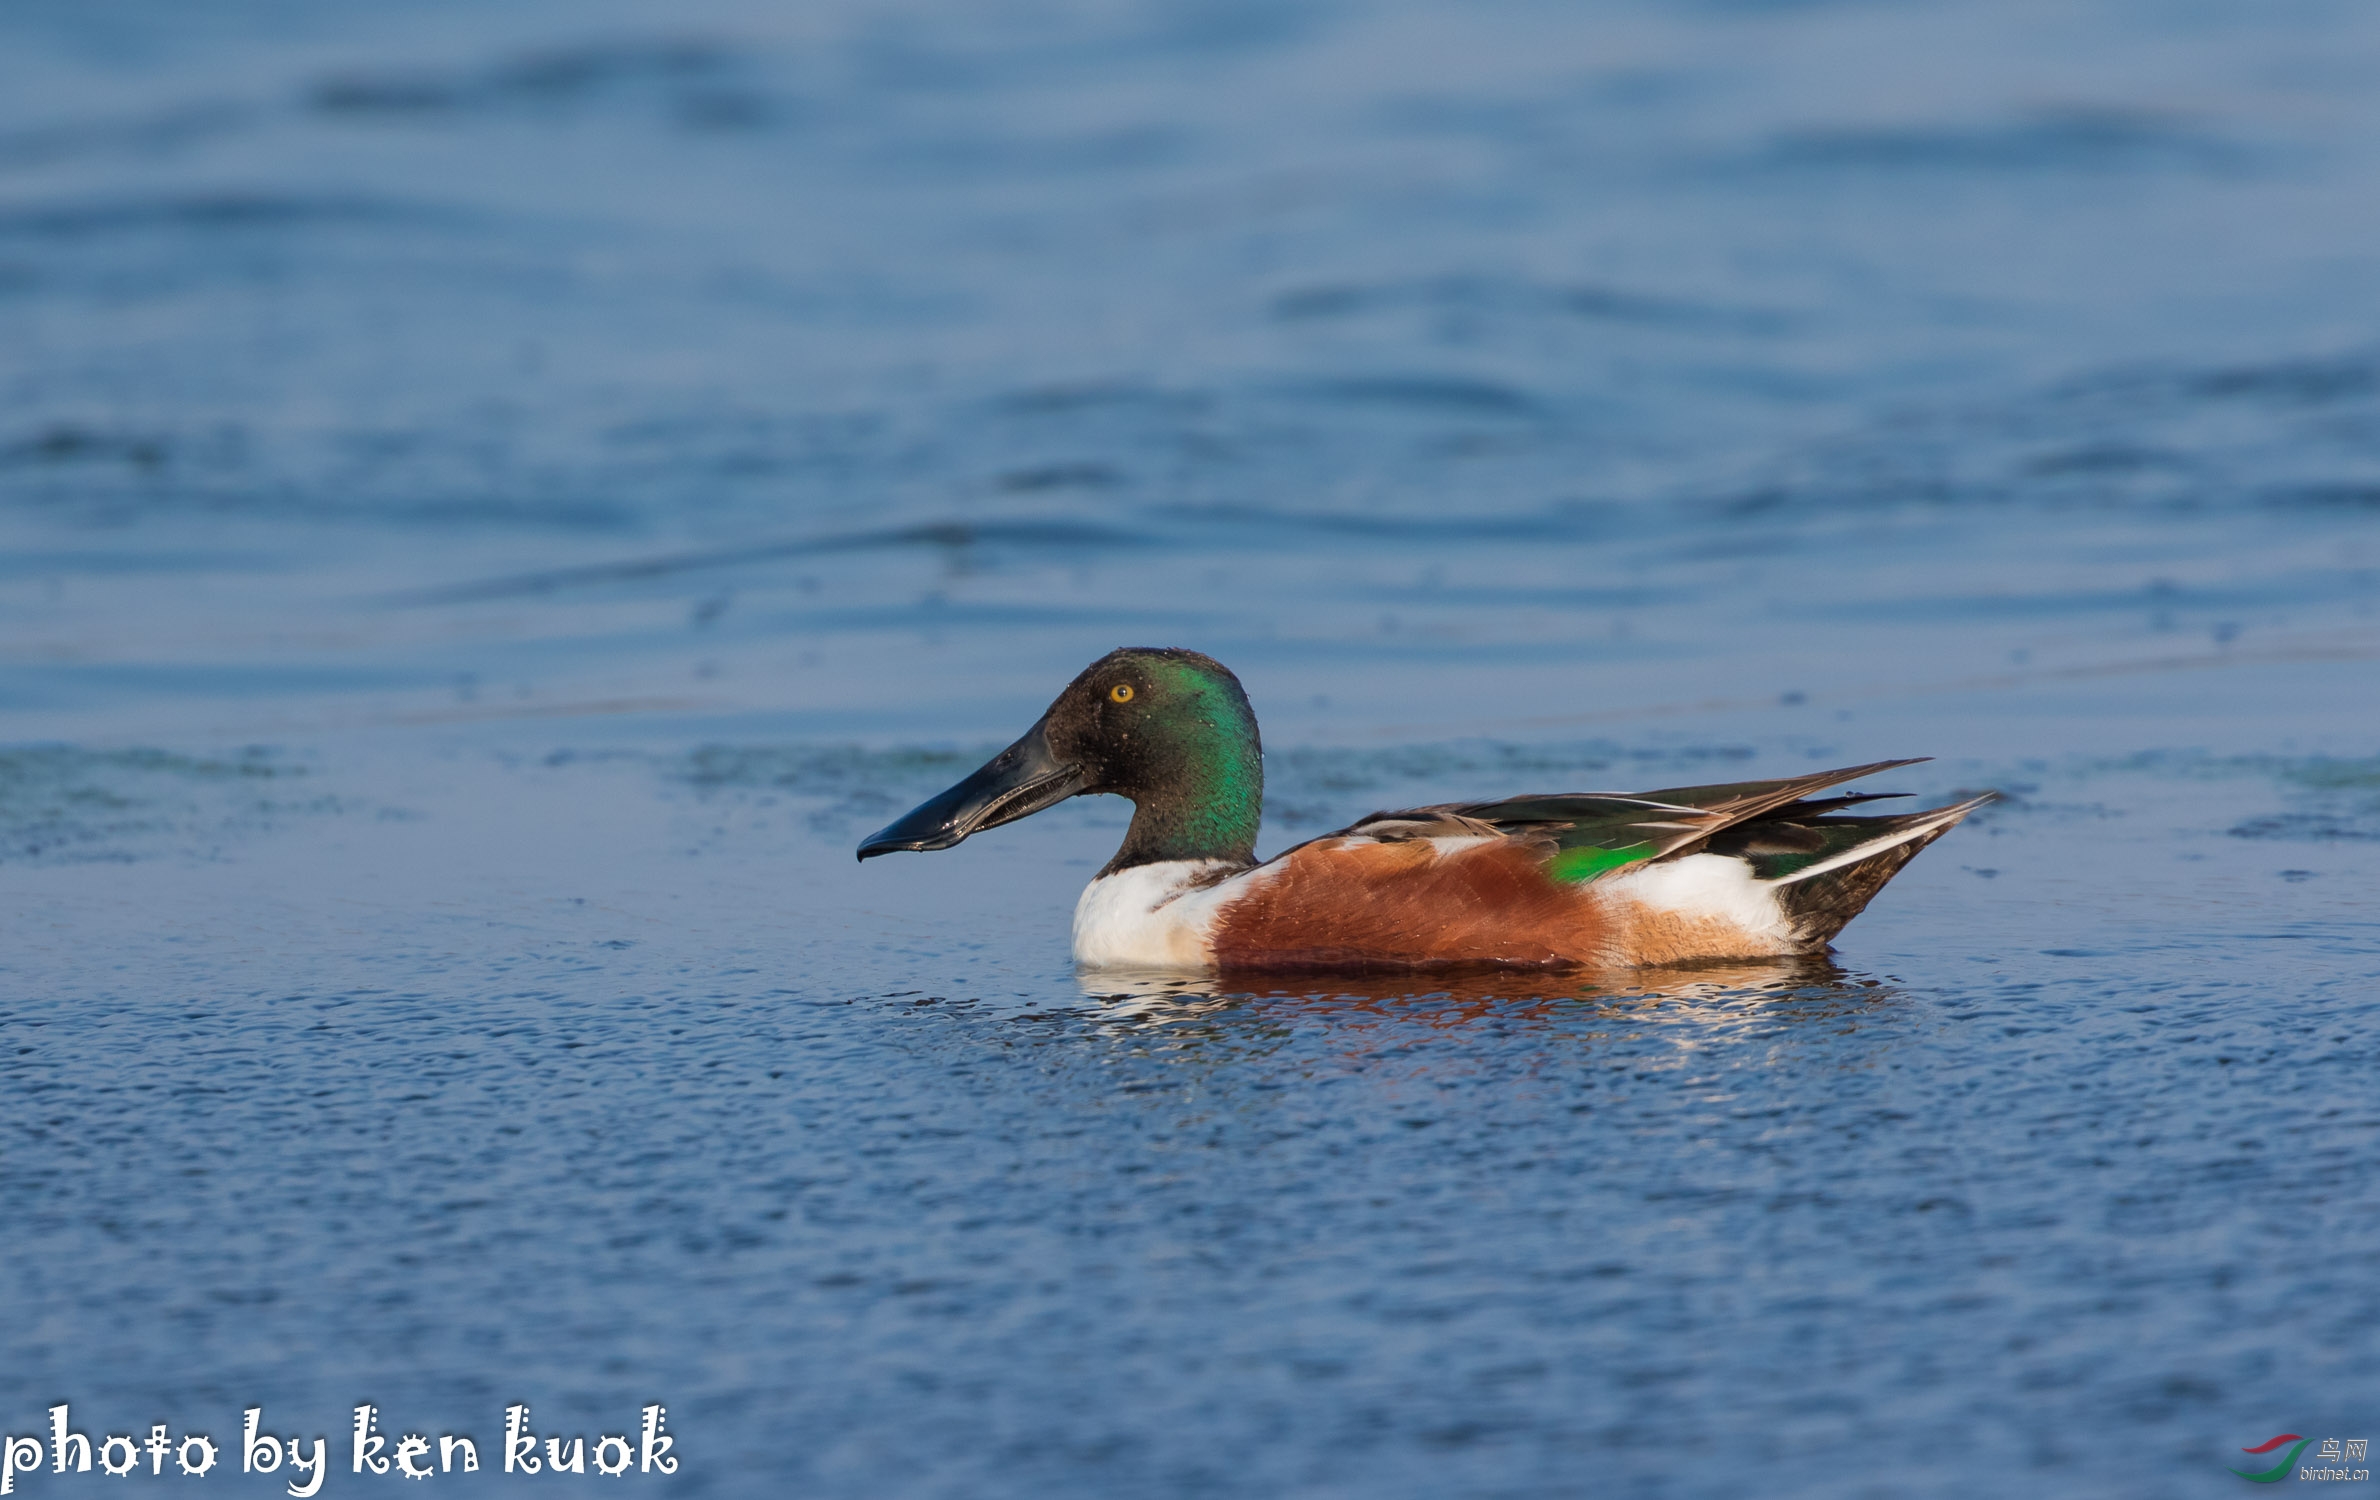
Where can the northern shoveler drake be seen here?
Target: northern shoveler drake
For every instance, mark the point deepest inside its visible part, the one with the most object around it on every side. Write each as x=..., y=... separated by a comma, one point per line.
x=1755, y=869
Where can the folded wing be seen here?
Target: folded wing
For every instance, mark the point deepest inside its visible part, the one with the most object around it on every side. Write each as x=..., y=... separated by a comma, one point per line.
x=1823, y=866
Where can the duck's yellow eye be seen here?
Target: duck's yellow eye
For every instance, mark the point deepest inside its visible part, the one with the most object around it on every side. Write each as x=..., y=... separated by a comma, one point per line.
x=1120, y=693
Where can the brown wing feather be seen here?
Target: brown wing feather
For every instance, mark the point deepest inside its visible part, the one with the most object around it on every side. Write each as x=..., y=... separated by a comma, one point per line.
x=1753, y=798
x=1678, y=820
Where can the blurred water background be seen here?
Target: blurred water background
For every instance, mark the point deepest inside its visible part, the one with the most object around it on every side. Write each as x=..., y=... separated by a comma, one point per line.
x=496, y=498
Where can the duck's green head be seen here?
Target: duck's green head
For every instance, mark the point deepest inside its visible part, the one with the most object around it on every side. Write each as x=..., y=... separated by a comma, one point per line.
x=1169, y=729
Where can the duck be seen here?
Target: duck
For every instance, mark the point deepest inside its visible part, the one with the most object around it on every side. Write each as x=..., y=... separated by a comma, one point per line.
x=1743, y=871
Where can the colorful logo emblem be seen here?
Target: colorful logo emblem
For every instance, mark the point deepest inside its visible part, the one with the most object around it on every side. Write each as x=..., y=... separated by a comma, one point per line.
x=2279, y=1471
x=2328, y=1459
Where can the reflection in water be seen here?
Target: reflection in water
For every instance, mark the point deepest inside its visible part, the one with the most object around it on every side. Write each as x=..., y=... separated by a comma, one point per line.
x=1451, y=1001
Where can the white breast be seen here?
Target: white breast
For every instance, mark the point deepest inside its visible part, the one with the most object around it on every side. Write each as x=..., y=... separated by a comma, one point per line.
x=1156, y=916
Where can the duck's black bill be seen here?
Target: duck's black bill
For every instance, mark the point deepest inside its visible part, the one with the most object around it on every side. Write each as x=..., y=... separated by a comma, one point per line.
x=1018, y=782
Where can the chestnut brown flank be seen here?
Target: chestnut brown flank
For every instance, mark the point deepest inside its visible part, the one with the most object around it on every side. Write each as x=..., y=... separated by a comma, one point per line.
x=1340, y=905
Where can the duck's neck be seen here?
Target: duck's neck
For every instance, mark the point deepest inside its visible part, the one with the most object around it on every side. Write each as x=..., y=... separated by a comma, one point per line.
x=1204, y=805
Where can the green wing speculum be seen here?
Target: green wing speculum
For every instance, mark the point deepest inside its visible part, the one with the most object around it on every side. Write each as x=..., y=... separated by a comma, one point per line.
x=1594, y=835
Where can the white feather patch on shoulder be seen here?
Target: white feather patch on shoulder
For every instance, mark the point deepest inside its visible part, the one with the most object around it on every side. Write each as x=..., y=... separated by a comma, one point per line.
x=1706, y=885
x=1154, y=916
x=1456, y=845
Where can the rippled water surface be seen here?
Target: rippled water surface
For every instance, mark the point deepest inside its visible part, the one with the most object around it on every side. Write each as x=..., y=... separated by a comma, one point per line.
x=496, y=499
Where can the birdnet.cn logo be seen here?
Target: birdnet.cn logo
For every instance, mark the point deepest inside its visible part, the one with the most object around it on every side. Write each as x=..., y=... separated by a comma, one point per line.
x=2337, y=1458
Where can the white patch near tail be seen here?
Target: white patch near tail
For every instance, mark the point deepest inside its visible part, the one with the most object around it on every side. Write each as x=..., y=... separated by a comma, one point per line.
x=1939, y=819
x=1714, y=887
x=1154, y=916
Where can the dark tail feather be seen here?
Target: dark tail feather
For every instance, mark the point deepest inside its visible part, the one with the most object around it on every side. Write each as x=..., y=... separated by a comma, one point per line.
x=1821, y=900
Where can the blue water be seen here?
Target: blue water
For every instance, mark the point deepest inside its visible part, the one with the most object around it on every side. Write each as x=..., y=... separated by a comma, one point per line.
x=496, y=499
